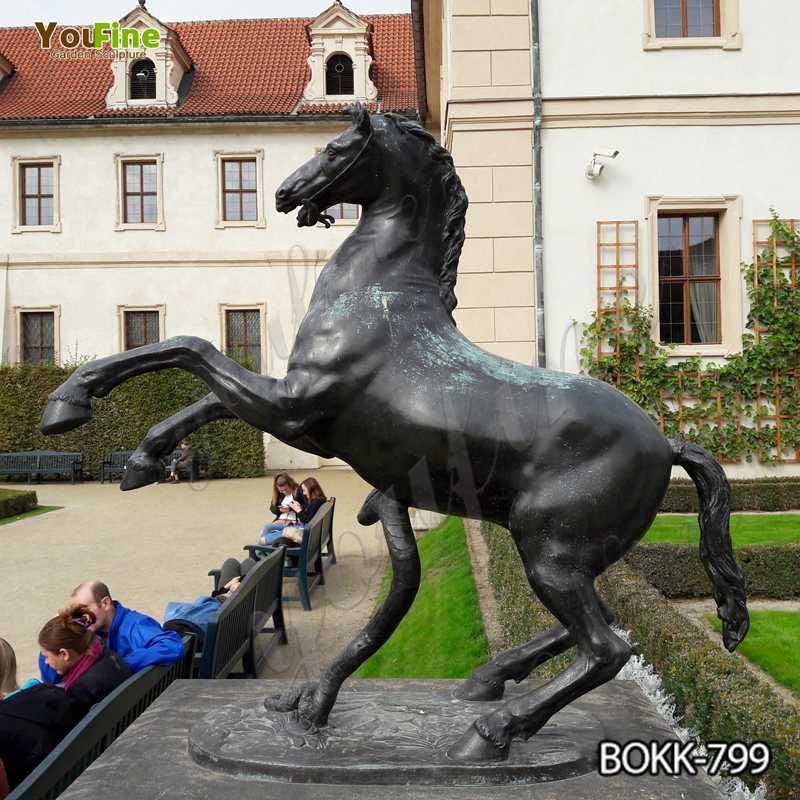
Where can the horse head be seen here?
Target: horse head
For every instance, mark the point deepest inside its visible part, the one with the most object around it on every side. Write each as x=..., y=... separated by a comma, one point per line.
x=332, y=177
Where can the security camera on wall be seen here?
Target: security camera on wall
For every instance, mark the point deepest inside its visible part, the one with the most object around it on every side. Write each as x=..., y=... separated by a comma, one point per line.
x=594, y=169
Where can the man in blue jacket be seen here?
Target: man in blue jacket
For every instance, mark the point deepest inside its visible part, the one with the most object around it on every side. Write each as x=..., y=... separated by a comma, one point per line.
x=136, y=638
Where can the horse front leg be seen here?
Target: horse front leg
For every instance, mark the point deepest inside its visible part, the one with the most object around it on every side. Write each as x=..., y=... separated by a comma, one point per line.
x=314, y=701
x=144, y=465
x=274, y=406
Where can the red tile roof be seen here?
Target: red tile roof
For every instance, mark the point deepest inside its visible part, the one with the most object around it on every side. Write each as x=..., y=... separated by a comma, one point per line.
x=243, y=67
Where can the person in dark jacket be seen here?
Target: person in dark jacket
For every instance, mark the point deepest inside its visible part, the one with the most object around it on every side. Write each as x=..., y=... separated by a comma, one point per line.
x=182, y=464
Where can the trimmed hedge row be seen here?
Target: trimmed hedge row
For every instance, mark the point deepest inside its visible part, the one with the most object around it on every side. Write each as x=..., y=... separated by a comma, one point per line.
x=232, y=448
x=714, y=691
x=761, y=494
x=771, y=570
x=13, y=503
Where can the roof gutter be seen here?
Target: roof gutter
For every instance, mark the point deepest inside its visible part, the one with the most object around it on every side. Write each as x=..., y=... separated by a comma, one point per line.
x=538, y=238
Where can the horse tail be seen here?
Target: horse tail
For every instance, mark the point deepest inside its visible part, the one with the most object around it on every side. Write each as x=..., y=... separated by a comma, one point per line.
x=716, y=550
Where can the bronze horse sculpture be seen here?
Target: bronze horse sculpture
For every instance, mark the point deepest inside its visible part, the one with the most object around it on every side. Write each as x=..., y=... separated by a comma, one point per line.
x=381, y=377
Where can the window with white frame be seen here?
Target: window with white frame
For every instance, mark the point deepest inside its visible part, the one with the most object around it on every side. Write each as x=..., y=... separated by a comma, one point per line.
x=695, y=251
x=692, y=23
x=140, y=326
x=240, y=195
x=140, y=196
x=243, y=335
x=36, y=194
x=38, y=335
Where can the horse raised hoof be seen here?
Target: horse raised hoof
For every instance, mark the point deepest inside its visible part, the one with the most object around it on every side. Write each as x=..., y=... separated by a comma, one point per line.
x=141, y=470
x=66, y=411
x=474, y=688
x=474, y=748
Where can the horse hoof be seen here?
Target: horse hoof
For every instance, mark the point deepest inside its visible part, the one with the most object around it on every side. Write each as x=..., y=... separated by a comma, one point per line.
x=476, y=689
x=290, y=699
x=141, y=471
x=65, y=412
x=475, y=749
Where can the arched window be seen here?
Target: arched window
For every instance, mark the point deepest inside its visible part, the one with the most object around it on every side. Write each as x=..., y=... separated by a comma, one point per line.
x=143, y=80
x=339, y=75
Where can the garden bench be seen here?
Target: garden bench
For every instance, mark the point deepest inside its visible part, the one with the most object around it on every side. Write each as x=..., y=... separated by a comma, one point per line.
x=114, y=465
x=327, y=534
x=307, y=557
x=232, y=633
x=38, y=463
x=100, y=727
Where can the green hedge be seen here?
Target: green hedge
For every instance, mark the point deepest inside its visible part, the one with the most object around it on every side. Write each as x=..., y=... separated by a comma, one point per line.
x=231, y=448
x=771, y=570
x=768, y=494
x=714, y=691
x=13, y=503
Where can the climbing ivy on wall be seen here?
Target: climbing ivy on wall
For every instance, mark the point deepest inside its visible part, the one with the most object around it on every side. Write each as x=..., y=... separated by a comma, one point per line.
x=747, y=407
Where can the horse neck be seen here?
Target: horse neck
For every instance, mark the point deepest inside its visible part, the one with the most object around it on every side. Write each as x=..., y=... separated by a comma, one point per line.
x=398, y=243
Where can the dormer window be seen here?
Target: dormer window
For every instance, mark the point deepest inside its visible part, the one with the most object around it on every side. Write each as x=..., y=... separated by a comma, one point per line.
x=339, y=75
x=143, y=80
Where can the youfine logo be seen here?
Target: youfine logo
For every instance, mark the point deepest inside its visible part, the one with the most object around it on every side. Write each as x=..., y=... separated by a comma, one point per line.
x=97, y=36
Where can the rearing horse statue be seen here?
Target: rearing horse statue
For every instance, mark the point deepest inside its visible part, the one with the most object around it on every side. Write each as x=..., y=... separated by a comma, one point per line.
x=381, y=377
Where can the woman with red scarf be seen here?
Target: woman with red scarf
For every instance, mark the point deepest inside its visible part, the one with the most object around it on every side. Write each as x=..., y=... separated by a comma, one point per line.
x=33, y=721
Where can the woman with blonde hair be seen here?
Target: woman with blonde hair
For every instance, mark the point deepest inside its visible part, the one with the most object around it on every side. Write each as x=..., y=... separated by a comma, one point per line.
x=282, y=507
x=8, y=669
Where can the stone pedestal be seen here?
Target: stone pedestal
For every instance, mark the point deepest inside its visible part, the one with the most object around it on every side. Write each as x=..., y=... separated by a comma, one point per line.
x=387, y=739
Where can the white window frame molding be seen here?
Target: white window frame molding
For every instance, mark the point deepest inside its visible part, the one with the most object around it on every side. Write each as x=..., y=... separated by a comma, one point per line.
x=120, y=159
x=262, y=310
x=17, y=163
x=56, y=311
x=730, y=37
x=161, y=308
x=729, y=209
x=221, y=156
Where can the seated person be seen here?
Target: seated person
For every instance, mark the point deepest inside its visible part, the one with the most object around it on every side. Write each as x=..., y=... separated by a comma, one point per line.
x=182, y=464
x=8, y=672
x=313, y=497
x=285, y=514
x=34, y=721
x=138, y=639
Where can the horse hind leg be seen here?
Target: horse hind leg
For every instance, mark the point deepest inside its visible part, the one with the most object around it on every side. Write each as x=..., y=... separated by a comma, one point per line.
x=568, y=593
x=487, y=682
x=144, y=466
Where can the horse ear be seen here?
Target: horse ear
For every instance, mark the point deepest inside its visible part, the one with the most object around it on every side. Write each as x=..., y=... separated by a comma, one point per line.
x=360, y=117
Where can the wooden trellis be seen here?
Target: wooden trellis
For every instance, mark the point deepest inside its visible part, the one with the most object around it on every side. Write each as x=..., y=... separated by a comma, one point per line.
x=781, y=261
x=617, y=281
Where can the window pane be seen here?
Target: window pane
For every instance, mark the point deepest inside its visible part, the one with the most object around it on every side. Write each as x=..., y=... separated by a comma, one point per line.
x=133, y=210
x=46, y=180
x=249, y=206
x=31, y=211
x=234, y=321
x=349, y=211
x=702, y=246
x=670, y=313
x=149, y=175
x=232, y=175
x=700, y=17
x=38, y=330
x=141, y=327
x=670, y=246
x=668, y=19
x=248, y=174
x=233, y=210
x=150, y=208
x=133, y=178
x=703, y=312
x=46, y=211
x=31, y=180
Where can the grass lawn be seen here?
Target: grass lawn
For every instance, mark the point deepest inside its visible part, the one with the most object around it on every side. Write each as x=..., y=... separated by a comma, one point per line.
x=442, y=635
x=773, y=643
x=745, y=529
x=34, y=513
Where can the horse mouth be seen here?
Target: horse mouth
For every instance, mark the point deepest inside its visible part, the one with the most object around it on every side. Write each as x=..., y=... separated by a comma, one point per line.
x=285, y=205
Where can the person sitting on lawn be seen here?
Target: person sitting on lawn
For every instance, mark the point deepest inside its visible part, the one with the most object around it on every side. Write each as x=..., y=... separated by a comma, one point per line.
x=285, y=514
x=137, y=638
x=182, y=464
x=306, y=505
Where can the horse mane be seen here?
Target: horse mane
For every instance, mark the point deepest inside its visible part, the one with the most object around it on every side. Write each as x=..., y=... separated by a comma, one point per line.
x=455, y=210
